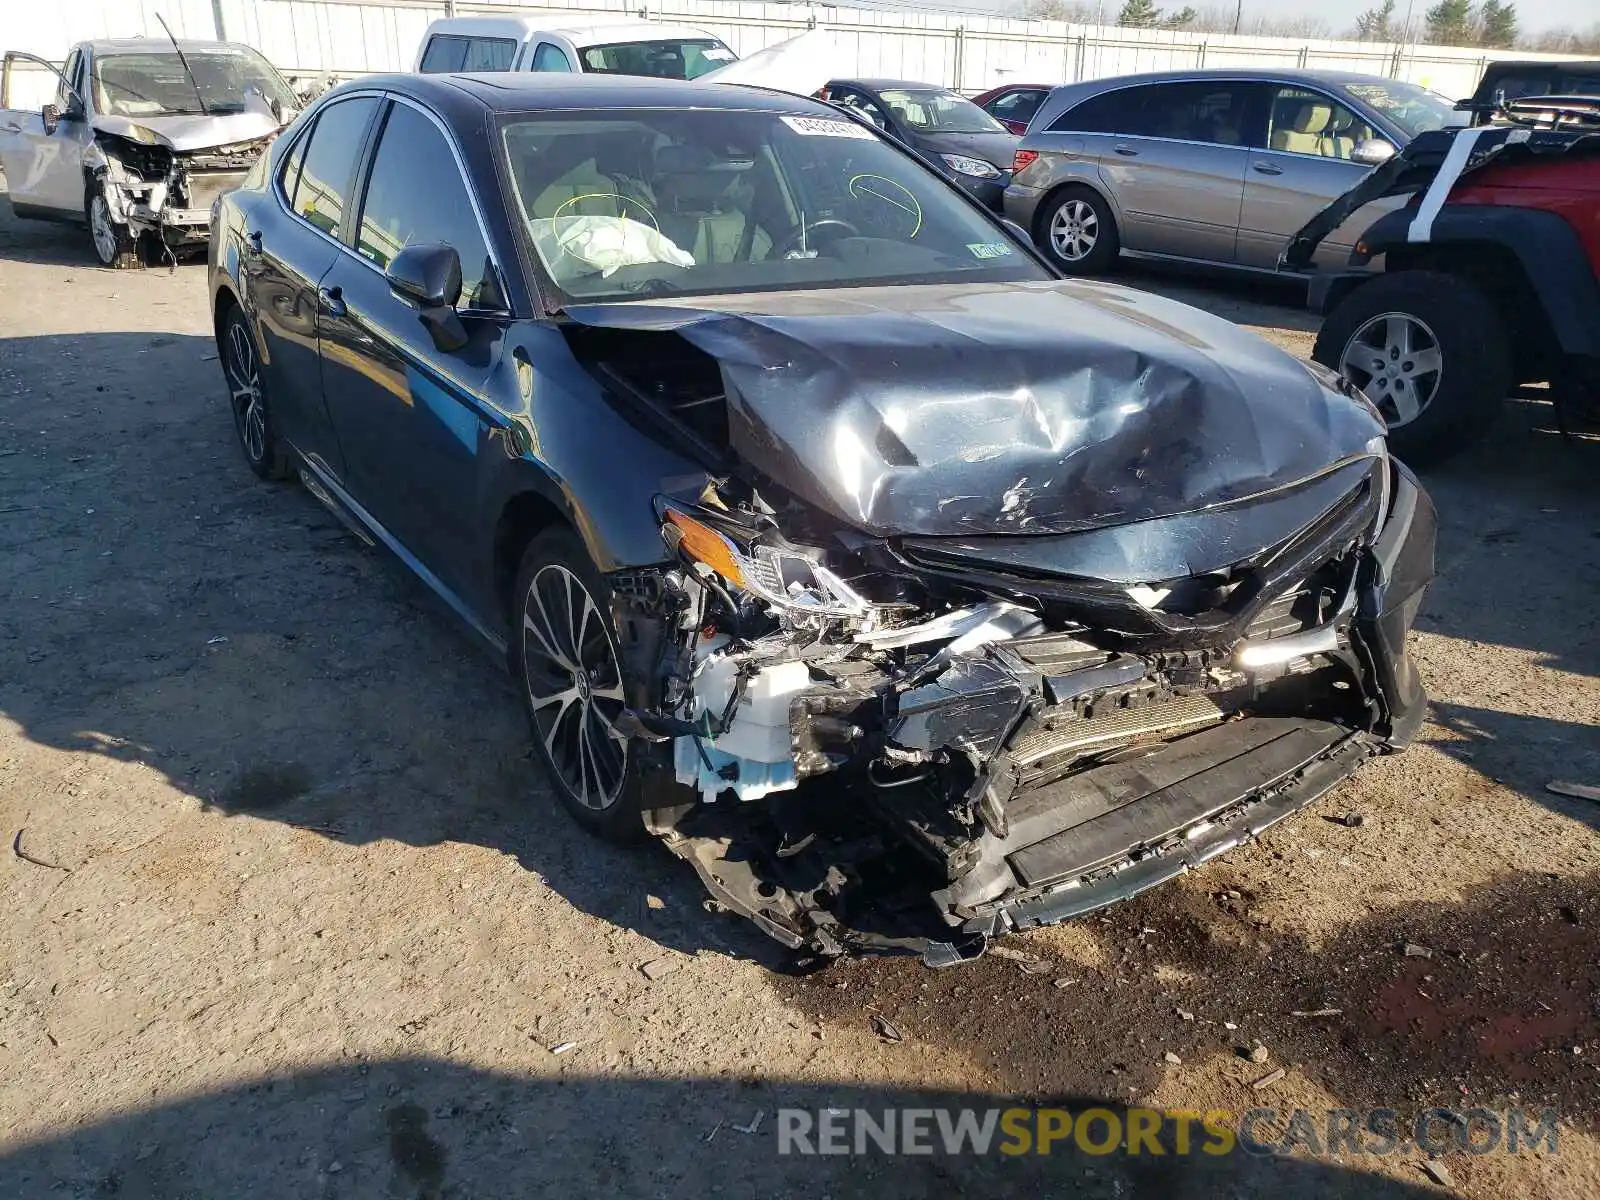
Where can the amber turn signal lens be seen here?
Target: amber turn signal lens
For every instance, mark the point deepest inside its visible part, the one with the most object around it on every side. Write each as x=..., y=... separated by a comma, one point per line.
x=704, y=544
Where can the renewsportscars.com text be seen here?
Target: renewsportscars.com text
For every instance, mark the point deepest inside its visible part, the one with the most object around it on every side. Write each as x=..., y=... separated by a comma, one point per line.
x=1154, y=1131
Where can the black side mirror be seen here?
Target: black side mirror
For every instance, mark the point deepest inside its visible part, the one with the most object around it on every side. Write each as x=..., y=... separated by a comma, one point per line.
x=51, y=116
x=428, y=275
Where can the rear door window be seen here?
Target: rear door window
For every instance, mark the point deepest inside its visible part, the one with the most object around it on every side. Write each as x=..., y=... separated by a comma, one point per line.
x=450, y=52
x=289, y=173
x=1017, y=106
x=1110, y=112
x=1189, y=112
x=332, y=151
x=415, y=193
x=1196, y=112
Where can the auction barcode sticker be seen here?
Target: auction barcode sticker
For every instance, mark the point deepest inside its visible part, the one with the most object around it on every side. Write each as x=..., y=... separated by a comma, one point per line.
x=822, y=127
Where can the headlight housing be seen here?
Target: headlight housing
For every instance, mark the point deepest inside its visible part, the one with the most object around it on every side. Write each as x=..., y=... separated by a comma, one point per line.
x=787, y=577
x=962, y=164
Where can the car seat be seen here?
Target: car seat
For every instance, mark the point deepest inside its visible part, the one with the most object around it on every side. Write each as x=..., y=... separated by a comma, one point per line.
x=704, y=204
x=586, y=176
x=1305, y=131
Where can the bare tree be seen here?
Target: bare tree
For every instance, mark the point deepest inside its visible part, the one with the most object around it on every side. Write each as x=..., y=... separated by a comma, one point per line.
x=1063, y=10
x=1221, y=18
x=1377, y=24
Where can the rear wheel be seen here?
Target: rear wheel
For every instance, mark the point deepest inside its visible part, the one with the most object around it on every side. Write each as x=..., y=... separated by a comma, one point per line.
x=1430, y=351
x=1078, y=232
x=252, y=416
x=114, y=245
x=565, y=656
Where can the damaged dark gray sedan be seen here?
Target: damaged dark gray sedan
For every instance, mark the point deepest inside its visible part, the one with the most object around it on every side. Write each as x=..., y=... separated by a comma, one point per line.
x=909, y=593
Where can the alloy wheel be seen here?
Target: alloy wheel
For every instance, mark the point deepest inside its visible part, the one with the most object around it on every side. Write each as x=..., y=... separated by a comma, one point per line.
x=102, y=230
x=574, y=682
x=244, y=382
x=1396, y=360
x=1074, y=230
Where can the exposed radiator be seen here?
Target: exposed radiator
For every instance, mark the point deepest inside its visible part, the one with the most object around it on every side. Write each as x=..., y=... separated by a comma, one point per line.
x=204, y=188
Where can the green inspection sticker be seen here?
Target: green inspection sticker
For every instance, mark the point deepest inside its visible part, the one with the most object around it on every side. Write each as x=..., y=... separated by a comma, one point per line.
x=988, y=249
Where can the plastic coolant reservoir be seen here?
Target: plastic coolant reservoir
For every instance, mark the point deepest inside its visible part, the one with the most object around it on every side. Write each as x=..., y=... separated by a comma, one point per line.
x=755, y=750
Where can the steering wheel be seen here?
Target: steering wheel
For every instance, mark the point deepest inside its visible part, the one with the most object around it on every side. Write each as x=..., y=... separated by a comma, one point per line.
x=806, y=234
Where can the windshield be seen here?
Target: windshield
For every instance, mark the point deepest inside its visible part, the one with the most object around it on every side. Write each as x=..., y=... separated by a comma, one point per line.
x=1415, y=110
x=665, y=203
x=672, y=58
x=939, y=112
x=153, y=83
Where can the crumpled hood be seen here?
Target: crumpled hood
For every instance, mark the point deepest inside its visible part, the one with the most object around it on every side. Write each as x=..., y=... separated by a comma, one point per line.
x=197, y=131
x=969, y=409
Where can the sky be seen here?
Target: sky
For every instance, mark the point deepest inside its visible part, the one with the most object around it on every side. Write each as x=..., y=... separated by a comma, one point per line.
x=1532, y=15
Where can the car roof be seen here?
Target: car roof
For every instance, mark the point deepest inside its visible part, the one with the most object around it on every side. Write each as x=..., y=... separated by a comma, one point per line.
x=1202, y=75
x=519, y=91
x=597, y=32
x=879, y=85
x=1547, y=64
x=157, y=45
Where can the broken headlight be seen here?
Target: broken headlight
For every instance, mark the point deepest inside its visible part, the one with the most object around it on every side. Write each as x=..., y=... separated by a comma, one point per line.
x=788, y=577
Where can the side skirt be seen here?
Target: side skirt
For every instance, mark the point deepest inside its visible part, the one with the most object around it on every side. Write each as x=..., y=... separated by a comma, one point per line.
x=345, y=506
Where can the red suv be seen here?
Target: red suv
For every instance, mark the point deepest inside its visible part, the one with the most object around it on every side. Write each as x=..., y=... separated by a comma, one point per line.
x=1491, y=278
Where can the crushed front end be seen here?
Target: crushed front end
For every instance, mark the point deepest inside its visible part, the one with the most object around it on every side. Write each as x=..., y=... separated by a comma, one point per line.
x=154, y=189
x=919, y=743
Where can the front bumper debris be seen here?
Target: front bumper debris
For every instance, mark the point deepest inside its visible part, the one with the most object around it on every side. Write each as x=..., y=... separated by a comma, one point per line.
x=169, y=194
x=924, y=787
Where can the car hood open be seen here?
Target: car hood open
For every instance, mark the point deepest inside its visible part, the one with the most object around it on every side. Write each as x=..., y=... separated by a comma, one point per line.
x=1020, y=408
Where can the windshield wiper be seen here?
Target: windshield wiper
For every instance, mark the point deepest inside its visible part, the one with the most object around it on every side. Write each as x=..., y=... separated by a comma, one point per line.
x=195, y=83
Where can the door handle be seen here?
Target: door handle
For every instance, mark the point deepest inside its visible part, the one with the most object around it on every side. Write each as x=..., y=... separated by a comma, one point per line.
x=1262, y=168
x=332, y=301
x=252, y=243
x=1126, y=151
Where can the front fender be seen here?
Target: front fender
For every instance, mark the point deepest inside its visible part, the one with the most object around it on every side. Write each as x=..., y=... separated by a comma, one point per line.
x=563, y=440
x=1545, y=246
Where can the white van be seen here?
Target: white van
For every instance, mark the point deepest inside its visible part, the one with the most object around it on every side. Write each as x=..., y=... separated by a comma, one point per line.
x=550, y=43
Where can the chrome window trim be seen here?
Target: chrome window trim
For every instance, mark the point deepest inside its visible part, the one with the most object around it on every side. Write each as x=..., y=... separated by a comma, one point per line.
x=461, y=172
x=1269, y=81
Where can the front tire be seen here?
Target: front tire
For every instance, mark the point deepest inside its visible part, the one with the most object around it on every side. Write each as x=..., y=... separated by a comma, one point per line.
x=568, y=666
x=114, y=246
x=247, y=394
x=1430, y=350
x=1077, y=231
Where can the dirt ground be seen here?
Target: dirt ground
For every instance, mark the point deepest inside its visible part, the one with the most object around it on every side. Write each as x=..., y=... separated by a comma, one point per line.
x=290, y=912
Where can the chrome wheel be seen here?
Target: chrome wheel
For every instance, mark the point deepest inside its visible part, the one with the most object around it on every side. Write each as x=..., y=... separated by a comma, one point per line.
x=1395, y=359
x=574, y=682
x=1074, y=230
x=103, y=230
x=244, y=382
